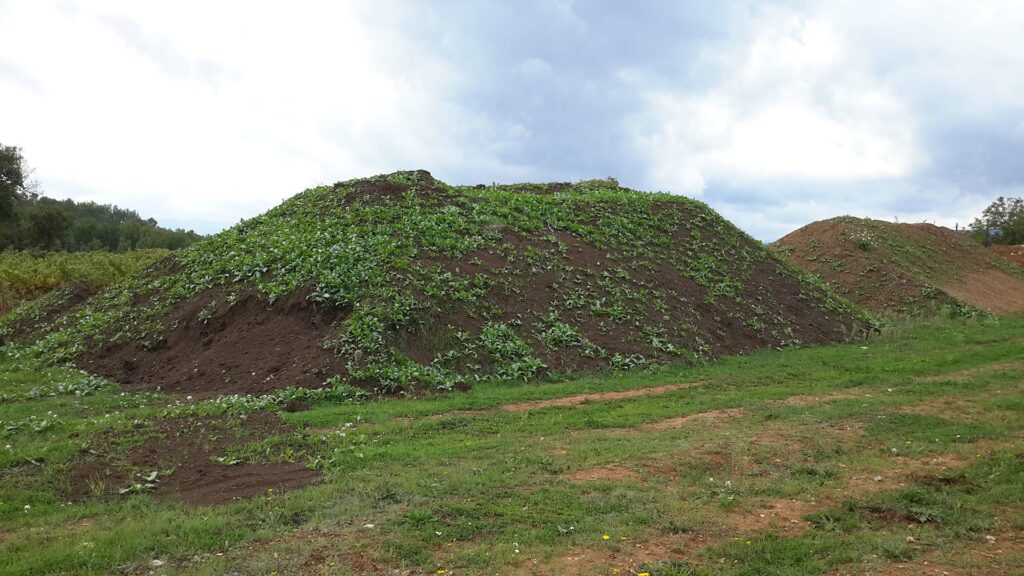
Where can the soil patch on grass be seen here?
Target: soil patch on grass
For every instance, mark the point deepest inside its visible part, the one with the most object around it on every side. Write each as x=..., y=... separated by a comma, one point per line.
x=604, y=474
x=191, y=458
x=784, y=516
x=906, y=268
x=597, y=397
x=708, y=418
x=617, y=556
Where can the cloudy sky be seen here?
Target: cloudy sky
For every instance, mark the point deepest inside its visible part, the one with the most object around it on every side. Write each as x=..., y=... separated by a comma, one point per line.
x=775, y=113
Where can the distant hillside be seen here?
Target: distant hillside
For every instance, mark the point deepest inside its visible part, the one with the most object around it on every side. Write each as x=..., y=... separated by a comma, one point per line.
x=906, y=268
x=402, y=284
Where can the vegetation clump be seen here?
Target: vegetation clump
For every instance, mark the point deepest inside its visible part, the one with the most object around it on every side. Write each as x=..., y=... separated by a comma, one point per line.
x=401, y=283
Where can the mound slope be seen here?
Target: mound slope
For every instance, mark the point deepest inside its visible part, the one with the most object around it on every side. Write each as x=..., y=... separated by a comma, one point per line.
x=1013, y=253
x=401, y=283
x=906, y=268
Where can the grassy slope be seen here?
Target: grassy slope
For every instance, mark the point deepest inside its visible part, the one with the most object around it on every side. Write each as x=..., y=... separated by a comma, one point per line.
x=403, y=256
x=25, y=275
x=451, y=483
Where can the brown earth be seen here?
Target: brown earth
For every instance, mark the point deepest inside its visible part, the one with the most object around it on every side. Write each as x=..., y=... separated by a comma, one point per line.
x=597, y=397
x=1014, y=254
x=247, y=346
x=603, y=474
x=184, y=453
x=905, y=268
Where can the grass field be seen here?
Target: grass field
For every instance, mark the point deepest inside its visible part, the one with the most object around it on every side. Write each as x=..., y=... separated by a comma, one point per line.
x=900, y=454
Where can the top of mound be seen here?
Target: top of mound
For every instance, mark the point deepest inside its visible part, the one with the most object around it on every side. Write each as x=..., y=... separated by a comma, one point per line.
x=906, y=268
x=401, y=282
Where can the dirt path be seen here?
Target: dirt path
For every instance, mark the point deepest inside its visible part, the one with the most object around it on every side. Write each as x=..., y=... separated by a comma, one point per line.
x=598, y=397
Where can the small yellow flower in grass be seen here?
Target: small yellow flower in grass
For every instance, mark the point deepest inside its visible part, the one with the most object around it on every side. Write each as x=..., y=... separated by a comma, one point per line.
x=644, y=574
x=623, y=538
x=442, y=571
x=606, y=537
x=747, y=542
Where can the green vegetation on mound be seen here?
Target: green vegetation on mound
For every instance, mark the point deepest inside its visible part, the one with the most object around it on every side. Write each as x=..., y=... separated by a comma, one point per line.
x=906, y=268
x=429, y=286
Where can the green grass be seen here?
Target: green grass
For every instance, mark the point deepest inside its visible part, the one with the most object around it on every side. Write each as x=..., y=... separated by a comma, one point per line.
x=454, y=482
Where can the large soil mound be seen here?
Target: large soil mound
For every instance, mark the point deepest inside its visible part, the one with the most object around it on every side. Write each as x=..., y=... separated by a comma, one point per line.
x=401, y=283
x=906, y=268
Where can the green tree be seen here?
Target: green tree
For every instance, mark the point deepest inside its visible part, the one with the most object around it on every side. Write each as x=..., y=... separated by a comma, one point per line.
x=12, y=180
x=1001, y=223
x=48, y=225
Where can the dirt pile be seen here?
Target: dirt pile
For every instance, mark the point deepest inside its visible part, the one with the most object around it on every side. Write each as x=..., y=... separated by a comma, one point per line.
x=403, y=284
x=906, y=268
x=1014, y=254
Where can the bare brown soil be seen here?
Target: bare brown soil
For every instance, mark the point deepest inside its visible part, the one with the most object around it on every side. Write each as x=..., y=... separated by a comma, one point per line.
x=184, y=453
x=905, y=268
x=248, y=346
x=618, y=556
x=1014, y=254
x=604, y=474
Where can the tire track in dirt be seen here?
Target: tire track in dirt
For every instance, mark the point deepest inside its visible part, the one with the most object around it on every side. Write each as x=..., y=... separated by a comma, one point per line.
x=578, y=399
x=968, y=373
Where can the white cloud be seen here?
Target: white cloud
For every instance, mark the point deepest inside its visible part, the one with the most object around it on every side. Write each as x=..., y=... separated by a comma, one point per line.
x=797, y=108
x=194, y=111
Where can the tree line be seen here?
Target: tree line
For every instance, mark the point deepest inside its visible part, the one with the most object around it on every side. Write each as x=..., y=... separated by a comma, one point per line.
x=1001, y=223
x=29, y=220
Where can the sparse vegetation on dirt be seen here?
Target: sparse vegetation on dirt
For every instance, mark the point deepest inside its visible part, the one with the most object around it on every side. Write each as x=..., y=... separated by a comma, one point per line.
x=821, y=460
x=906, y=268
x=402, y=284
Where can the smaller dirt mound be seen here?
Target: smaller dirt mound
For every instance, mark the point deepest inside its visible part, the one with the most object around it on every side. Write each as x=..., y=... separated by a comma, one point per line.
x=227, y=343
x=191, y=462
x=906, y=268
x=1014, y=254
